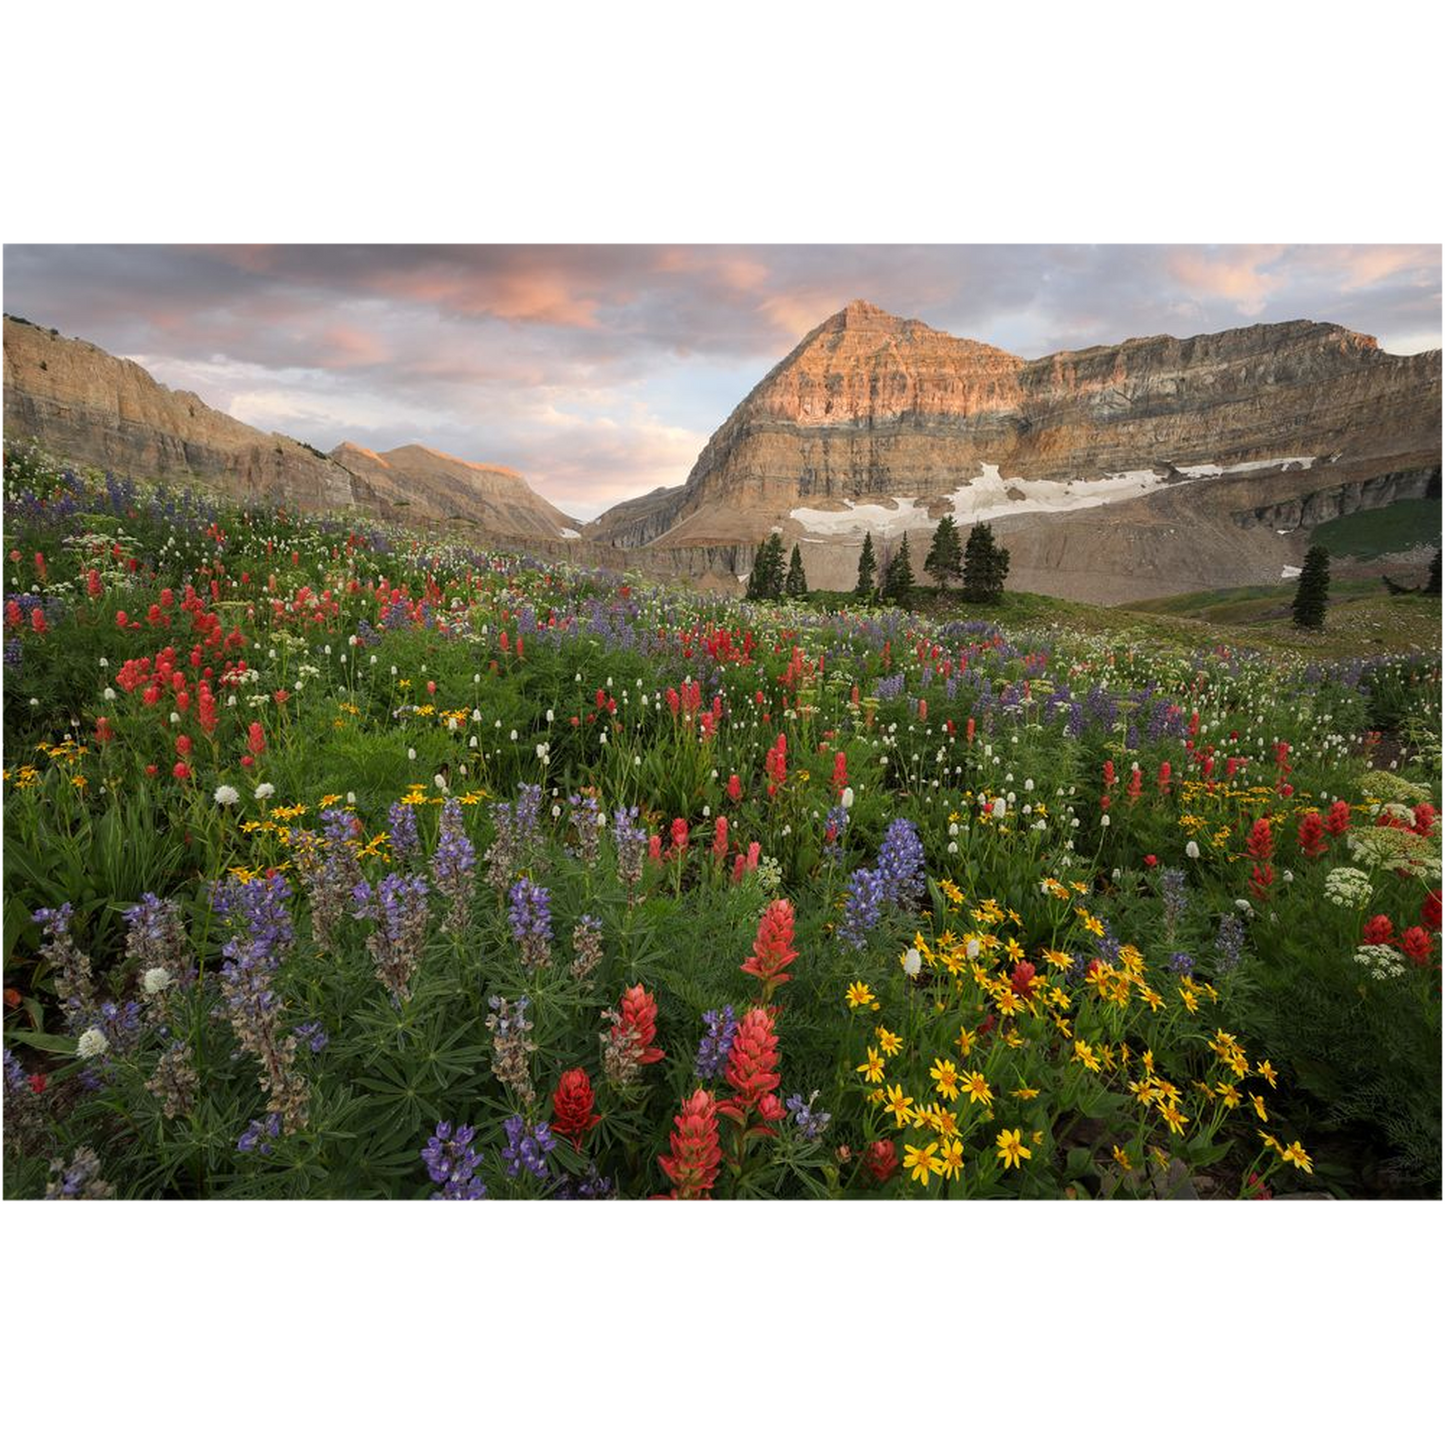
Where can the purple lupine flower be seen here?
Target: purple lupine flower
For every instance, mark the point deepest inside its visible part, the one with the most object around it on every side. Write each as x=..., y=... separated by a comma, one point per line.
x=80, y=1179
x=452, y=1162
x=1228, y=943
x=717, y=1043
x=810, y=1123
x=862, y=907
x=452, y=866
x=258, y=1135
x=398, y=909
x=592, y=1185
x=586, y=945
x=401, y=825
x=1175, y=894
x=313, y=1036
x=157, y=939
x=1181, y=964
x=530, y=913
x=900, y=863
x=834, y=826
x=588, y=820
x=257, y=910
x=72, y=968
x=527, y=1148
x=14, y=1075
x=630, y=841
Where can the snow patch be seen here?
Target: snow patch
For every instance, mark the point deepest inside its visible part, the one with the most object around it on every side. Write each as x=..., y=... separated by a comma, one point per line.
x=1213, y=469
x=1288, y=574
x=569, y=534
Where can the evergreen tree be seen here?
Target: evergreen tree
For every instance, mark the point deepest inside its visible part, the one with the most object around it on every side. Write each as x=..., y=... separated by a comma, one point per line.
x=1432, y=583
x=766, y=579
x=1313, y=592
x=945, y=556
x=898, y=581
x=796, y=583
x=867, y=567
x=985, y=565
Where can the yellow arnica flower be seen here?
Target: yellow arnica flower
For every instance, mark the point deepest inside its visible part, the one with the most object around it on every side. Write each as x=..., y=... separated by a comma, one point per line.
x=1259, y=1107
x=900, y=1105
x=1011, y=1148
x=922, y=1164
x=950, y=1162
x=1296, y=1155
x=976, y=1087
x=1121, y=1158
x=944, y=1074
x=872, y=1070
x=859, y=995
x=1266, y=1071
x=1085, y=1055
x=889, y=1043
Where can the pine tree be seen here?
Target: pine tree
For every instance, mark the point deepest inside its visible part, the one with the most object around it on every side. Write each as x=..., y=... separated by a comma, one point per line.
x=1432, y=583
x=867, y=567
x=1313, y=592
x=766, y=579
x=898, y=581
x=796, y=583
x=985, y=565
x=945, y=556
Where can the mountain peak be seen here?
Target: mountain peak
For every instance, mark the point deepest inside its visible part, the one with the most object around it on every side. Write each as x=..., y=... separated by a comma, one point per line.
x=860, y=313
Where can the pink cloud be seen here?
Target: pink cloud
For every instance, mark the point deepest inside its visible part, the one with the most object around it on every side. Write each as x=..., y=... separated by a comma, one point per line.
x=1236, y=276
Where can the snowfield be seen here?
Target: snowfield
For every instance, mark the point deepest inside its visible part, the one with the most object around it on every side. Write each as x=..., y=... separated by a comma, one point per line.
x=992, y=495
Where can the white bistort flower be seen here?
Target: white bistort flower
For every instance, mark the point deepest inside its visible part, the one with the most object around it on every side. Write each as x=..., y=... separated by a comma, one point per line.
x=91, y=1044
x=227, y=796
x=155, y=980
x=912, y=963
x=264, y=791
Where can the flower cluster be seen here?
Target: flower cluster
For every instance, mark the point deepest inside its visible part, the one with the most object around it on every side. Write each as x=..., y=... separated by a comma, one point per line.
x=529, y=912
x=397, y=907
x=452, y=1162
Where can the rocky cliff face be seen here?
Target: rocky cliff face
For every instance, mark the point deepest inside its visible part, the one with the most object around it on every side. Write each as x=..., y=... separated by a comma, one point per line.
x=86, y=405
x=433, y=486
x=875, y=423
x=81, y=403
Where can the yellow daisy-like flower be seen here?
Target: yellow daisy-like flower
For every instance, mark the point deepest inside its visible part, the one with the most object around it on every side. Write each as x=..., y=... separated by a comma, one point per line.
x=1024, y=1092
x=1091, y=924
x=1173, y=1117
x=1014, y=949
x=950, y=891
x=889, y=1043
x=1085, y=1055
x=951, y=1159
x=1296, y=1155
x=944, y=1074
x=1259, y=1107
x=872, y=1069
x=1121, y=1158
x=1266, y=1071
x=900, y=1105
x=1229, y=1094
x=965, y=1042
x=922, y=1164
x=1011, y=1148
x=975, y=1086
x=859, y=995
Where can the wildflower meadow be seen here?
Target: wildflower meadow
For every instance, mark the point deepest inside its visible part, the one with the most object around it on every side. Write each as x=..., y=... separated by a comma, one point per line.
x=345, y=861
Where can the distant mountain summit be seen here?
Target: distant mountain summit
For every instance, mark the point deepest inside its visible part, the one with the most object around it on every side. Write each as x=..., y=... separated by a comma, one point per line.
x=874, y=422
x=88, y=406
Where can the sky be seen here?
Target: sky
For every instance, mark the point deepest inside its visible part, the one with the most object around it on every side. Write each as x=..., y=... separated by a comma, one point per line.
x=599, y=372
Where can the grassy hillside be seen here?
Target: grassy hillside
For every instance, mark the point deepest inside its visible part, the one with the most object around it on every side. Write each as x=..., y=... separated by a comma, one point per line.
x=1396, y=528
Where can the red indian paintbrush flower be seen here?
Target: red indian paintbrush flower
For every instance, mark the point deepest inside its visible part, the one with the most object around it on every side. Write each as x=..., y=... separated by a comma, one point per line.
x=773, y=947
x=638, y=1015
x=1312, y=835
x=1339, y=820
x=1416, y=944
x=752, y=1062
x=880, y=1159
x=1430, y=911
x=1379, y=930
x=693, y=1164
x=572, y=1115
x=1260, y=844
